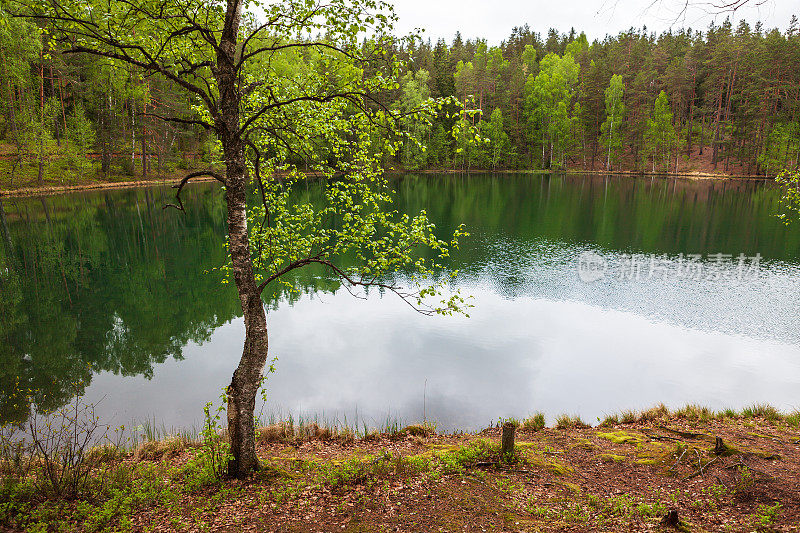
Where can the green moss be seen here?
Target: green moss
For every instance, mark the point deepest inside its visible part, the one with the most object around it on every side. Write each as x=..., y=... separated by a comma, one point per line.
x=572, y=487
x=555, y=467
x=620, y=437
x=760, y=436
x=584, y=444
x=657, y=453
x=760, y=453
x=611, y=458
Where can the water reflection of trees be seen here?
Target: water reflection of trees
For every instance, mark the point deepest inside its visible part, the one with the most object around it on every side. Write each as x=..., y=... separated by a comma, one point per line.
x=104, y=282
x=112, y=282
x=661, y=216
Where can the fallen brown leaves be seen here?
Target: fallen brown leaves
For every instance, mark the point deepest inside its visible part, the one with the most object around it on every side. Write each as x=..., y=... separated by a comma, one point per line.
x=627, y=477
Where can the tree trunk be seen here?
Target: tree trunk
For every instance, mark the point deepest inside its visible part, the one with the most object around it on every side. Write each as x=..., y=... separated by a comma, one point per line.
x=56, y=127
x=40, y=175
x=702, y=130
x=715, y=144
x=247, y=376
x=507, y=441
x=691, y=117
x=144, y=142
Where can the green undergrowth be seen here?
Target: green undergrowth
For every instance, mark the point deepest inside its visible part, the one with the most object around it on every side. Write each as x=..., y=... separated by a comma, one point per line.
x=157, y=475
x=594, y=510
x=117, y=488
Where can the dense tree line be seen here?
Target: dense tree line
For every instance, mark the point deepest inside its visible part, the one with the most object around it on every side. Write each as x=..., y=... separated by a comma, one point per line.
x=67, y=115
x=727, y=99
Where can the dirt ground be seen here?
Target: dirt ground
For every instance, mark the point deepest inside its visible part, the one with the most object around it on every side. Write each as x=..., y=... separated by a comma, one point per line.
x=627, y=477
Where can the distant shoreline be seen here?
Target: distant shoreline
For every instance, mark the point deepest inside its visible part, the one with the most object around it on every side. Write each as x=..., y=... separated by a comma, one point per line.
x=47, y=190
x=687, y=175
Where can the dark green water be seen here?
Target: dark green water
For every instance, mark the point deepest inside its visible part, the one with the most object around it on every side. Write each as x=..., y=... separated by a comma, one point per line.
x=108, y=294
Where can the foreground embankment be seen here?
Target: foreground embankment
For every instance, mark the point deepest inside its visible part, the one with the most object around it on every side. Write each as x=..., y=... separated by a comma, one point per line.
x=655, y=470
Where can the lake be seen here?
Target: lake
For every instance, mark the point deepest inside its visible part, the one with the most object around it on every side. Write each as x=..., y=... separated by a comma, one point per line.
x=591, y=294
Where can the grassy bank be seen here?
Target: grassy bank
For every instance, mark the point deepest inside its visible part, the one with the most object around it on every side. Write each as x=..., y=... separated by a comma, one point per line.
x=629, y=473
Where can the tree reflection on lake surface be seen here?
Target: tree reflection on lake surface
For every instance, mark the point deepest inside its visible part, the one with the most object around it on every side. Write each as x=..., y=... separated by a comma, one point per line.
x=109, y=294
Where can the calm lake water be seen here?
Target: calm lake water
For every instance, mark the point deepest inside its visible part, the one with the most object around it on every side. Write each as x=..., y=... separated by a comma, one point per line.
x=592, y=295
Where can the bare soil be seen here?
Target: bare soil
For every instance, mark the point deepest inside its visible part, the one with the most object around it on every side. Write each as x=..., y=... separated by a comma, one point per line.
x=622, y=478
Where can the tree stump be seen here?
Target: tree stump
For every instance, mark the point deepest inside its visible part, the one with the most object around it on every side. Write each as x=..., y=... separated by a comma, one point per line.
x=719, y=447
x=671, y=519
x=507, y=446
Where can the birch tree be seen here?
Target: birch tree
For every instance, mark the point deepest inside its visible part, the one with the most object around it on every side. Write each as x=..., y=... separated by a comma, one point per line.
x=231, y=57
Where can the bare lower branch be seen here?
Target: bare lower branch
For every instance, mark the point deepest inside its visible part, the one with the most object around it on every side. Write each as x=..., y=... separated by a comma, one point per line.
x=185, y=180
x=188, y=122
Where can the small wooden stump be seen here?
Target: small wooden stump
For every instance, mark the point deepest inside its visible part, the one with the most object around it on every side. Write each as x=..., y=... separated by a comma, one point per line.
x=719, y=447
x=671, y=519
x=507, y=446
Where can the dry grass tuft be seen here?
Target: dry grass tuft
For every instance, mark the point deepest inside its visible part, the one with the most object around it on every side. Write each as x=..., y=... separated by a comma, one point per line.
x=694, y=412
x=272, y=433
x=534, y=422
x=419, y=430
x=154, y=450
x=570, y=422
x=659, y=412
x=105, y=453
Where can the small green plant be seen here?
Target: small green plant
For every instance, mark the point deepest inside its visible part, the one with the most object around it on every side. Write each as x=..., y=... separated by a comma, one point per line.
x=55, y=450
x=213, y=454
x=658, y=412
x=695, y=413
x=743, y=480
x=717, y=491
x=417, y=430
x=514, y=421
x=454, y=462
x=767, y=514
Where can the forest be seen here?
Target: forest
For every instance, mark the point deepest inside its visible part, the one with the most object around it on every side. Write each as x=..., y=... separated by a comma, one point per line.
x=725, y=99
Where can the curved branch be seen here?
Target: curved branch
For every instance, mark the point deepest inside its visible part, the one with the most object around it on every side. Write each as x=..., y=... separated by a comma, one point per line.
x=185, y=180
x=405, y=296
x=188, y=122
